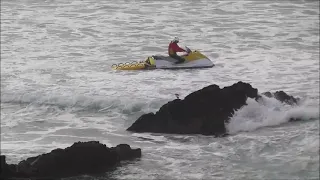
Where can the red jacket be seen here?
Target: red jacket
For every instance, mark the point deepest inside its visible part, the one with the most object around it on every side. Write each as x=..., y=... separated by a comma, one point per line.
x=174, y=48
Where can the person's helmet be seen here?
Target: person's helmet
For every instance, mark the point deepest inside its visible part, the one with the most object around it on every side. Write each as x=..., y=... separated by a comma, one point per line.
x=176, y=39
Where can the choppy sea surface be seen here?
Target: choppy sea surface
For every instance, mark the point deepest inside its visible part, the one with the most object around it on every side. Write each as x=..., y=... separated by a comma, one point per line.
x=57, y=86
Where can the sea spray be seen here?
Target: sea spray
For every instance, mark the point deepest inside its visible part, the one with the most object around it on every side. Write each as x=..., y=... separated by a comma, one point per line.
x=268, y=112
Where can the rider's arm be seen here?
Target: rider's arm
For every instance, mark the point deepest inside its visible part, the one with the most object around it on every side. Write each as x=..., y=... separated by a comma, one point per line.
x=177, y=48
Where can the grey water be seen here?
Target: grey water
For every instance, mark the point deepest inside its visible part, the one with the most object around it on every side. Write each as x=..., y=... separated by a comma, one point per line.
x=57, y=85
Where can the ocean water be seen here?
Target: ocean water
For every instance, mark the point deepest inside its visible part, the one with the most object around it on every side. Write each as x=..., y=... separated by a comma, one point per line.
x=57, y=86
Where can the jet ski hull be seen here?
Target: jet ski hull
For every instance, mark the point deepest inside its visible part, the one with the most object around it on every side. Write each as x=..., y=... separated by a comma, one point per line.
x=193, y=60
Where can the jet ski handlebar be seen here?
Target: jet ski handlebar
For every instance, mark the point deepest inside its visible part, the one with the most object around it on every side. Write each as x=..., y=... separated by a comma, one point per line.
x=188, y=50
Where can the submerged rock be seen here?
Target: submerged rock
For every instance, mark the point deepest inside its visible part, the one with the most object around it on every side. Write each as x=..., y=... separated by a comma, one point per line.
x=80, y=158
x=205, y=111
x=283, y=97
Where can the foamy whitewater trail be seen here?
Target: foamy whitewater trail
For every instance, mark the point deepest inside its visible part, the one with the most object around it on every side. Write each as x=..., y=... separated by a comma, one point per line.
x=57, y=86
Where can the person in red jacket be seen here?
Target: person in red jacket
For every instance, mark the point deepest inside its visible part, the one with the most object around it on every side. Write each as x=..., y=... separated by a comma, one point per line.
x=174, y=48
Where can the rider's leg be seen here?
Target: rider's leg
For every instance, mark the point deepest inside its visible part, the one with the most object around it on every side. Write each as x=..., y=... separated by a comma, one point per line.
x=179, y=58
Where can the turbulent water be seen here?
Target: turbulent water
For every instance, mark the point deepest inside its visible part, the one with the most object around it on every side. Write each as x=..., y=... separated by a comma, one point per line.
x=57, y=86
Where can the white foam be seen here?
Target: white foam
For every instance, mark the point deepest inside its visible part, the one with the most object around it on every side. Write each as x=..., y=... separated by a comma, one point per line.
x=268, y=112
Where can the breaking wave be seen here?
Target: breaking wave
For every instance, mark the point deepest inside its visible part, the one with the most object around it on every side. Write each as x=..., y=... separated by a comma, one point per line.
x=269, y=112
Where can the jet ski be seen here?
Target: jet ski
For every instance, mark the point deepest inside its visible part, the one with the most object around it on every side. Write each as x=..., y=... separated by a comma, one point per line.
x=193, y=59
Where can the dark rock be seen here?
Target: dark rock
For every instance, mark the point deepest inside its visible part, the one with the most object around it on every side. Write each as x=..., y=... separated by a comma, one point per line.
x=202, y=112
x=205, y=111
x=80, y=158
x=125, y=152
x=283, y=97
x=8, y=170
x=268, y=94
